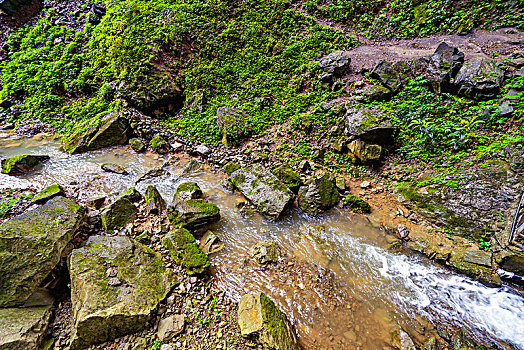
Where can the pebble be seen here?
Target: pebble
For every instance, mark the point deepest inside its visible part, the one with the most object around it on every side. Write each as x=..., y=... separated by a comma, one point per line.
x=365, y=184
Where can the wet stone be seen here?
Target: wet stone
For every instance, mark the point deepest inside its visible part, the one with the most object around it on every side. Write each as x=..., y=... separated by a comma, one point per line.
x=48, y=193
x=265, y=252
x=114, y=168
x=22, y=164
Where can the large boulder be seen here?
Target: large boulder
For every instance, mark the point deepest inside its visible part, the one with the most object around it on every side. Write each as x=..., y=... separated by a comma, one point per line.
x=232, y=123
x=370, y=125
x=185, y=251
x=32, y=244
x=111, y=131
x=440, y=67
x=23, y=328
x=479, y=79
x=154, y=201
x=19, y=165
x=365, y=152
x=318, y=195
x=260, y=320
x=193, y=214
x=387, y=75
x=116, y=283
x=288, y=176
x=270, y=196
x=336, y=63
x=117, y=214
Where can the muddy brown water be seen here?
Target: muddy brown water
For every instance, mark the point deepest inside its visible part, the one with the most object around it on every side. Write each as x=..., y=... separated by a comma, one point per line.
x=338, y=282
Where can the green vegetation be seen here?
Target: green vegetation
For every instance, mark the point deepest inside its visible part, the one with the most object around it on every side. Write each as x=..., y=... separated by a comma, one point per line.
x=13, y=201
x=357, y=204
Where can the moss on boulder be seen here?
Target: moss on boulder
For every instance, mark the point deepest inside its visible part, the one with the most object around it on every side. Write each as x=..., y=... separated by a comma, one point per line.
x=31, y=245
x=137, y=145
x=193, y=214
x=365, y=152
x=48, y=193
x=19, y=165
x=369, y=125
x=288, y=176
x=116, y=283
x=230, y=168
x=117, y=214
x=479, y=79
x=356, y=203
x=158, y=144
x=185, y=251
x=261, y=321
x=318, y=195
x=154, y=200
x=187, y=191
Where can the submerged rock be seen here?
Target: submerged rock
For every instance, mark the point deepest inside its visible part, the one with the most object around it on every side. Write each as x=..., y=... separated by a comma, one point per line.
x=318, y=195
x=24, y=328
x=31, y=245
x=106, y=306
x=479, y=79
x=365, y=152
x=111, y=131
x=370, y=125
x=185, y=251
x=260, y=320
x=265, y=252
x=117, y=214
x=270, y=196
x=288, y=176
x=19, y=165
x=48, y=193
x=154, y=200
x=193, y=214
x=114, y=168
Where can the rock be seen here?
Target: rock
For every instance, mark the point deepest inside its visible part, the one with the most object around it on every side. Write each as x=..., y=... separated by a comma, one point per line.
x=318, y=195
x=114, y=168
x=24, y=328
x=132, y=195
x=356, y=204
x=184, y=250
x=466, y=261
x=365, y=152
x=479, y=79
x=111, y=131
x=478, y=257
x=170, y=327
x=387, y=75
x=369, y=125
x=304, y=167
x=230, y=168
x=211, y=243
x=406, y=343
x=96, y=202
x=338, y=146
x=117, y=214
x=378, y=93
x=48, y=193
x=505, y=109
x=31, y=245
x=137, y=145
x=166, y=347
x=159, y=145
x=260, y=320
x=187, y=191
x=340, y=182
x=12, y=7
x=336, y=63
x=154, y=201
x=192, y=214
x=232, y=123
x=263, y=189
x=403, y=231
x=203, y=150
x=441, y=67
x=151, y=174
x=265, y=252
x=365, y=184
x=177, y=146
x=22, y=164
x=288, y=176
x=102, y=311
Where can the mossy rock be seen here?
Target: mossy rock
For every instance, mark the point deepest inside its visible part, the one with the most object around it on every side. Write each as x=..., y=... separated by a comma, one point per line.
x=114, y=168
x=31, y=245
x=230, y=168
x=117, y=215
x=233, y=125
x=22, y=164
x=158, y=144
x=479, y=79
x=187, y=191
x=356, y=203
x=365, y=152
x=265, y=252
x=91, y=135
x=109, y=305
x=193, y=214
x=288, y=176
x=137, y=145
x=262, y=322
x=154, y=200
x=186, y=253
x=475, y=264
x=270, y=196
x=132, y=195
x=318, y=195
x=387, y=75
x=369, y=125
x=48, y=193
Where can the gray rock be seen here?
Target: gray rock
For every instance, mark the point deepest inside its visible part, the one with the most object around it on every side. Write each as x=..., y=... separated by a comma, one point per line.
x=232, y=123
x=154, y=201
x=261, y=321
x=505, y=109
x=479, y=79
x=270, y=196
x=288, y=176
x=318, y=195
x=203, y=150
x=478, y=257
x=192, y=214
x=31, y=245
x=187, y=191
x=387, y=75
x=185, y=252
x=337, y=63
x=137, y=145
x=365, y=152
x=441, y=67
x=117, y=214
x=265, y=252
x=22, y=164
x=102, y=310
x=24, y=328
x=170, y=327
x=378, y=93
x=370, y=125
x=114, y=168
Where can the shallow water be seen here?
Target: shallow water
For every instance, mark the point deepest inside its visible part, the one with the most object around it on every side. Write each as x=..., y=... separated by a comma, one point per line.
x=339, y=284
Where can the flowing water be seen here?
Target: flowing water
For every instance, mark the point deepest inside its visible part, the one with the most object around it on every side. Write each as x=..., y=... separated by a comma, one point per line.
x=338, y=282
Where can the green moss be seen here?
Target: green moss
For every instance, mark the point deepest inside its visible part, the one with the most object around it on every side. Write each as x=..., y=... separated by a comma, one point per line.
x=357, y=204
x=288, y=176
x=188, y=187
x=185, y=252
x=117, y=214
x=49, y=192
x=420, y=200
x=230, y=168
x=158, y=143
x=16, y=164
x=204, y=207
